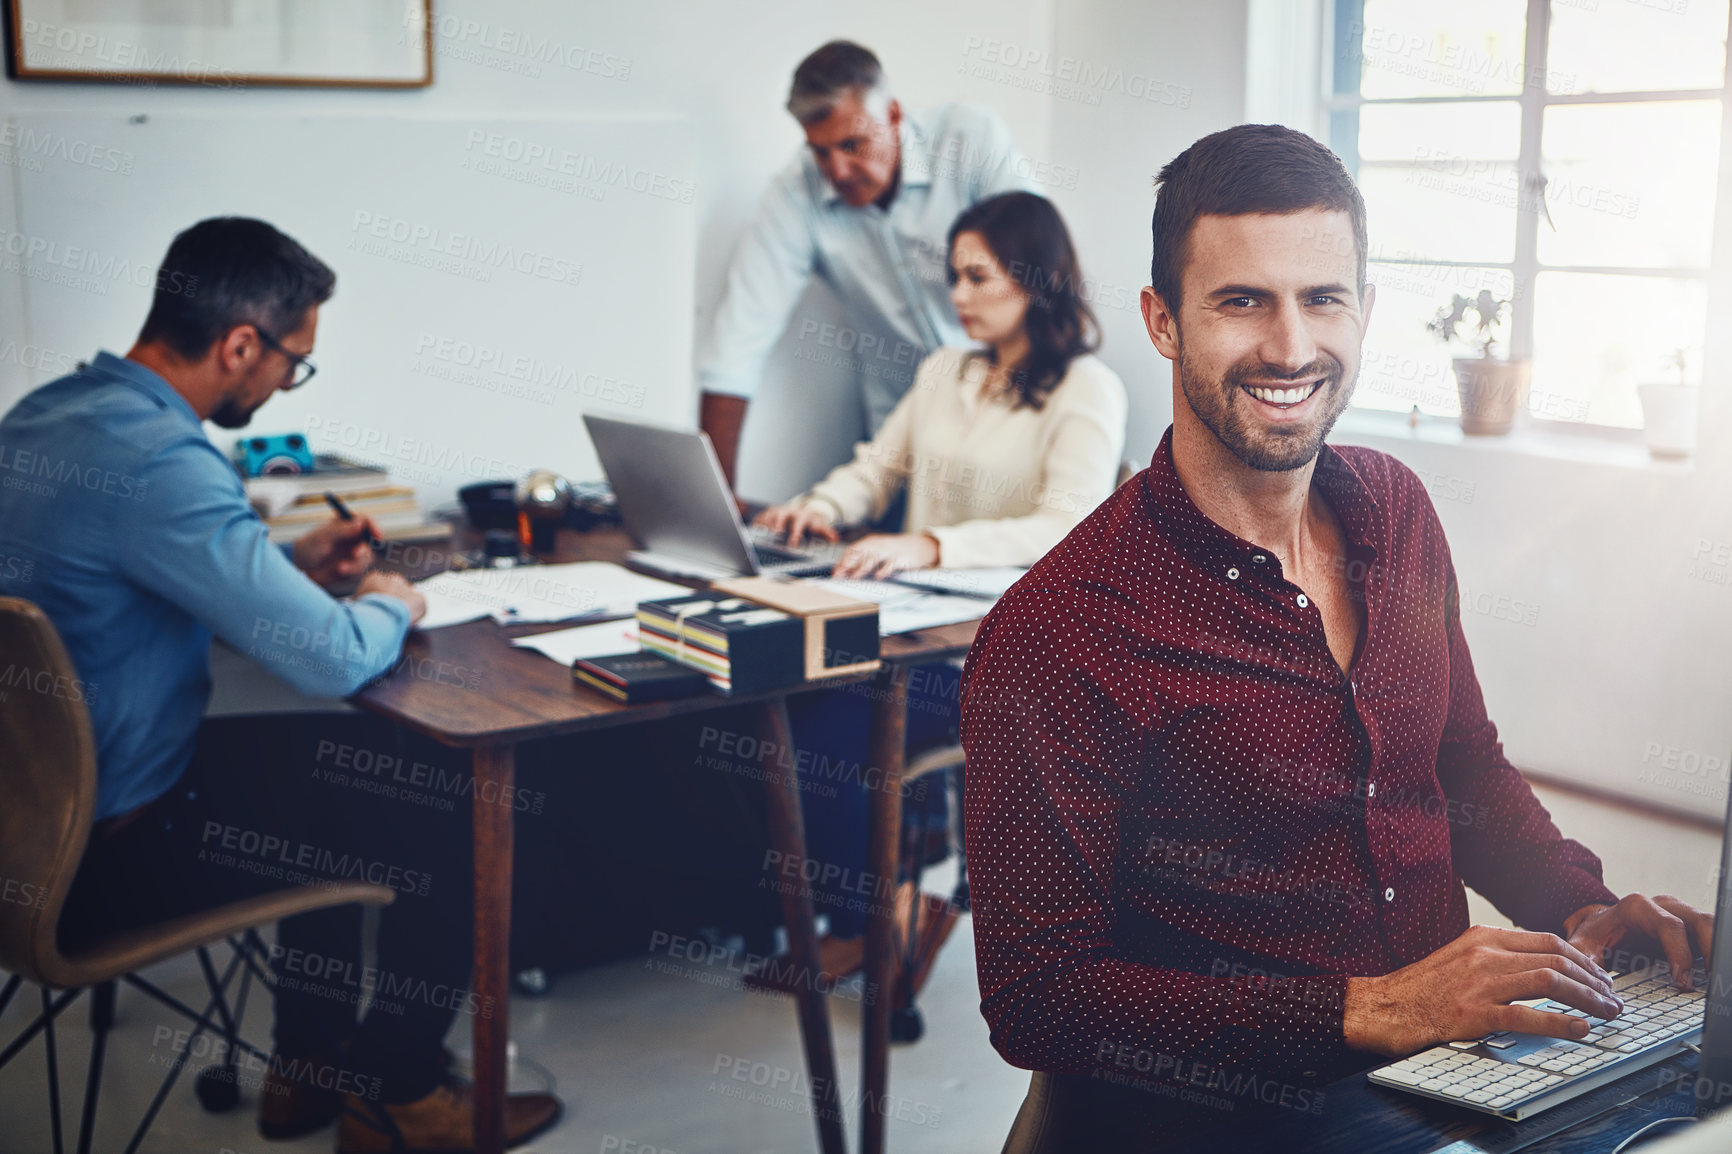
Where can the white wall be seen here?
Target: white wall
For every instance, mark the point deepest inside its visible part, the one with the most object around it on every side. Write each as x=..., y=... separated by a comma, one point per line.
x=461, y=282
x=726, y=66
x=1183, y=77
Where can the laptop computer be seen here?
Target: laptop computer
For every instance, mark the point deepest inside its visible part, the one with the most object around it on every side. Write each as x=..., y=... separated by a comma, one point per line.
x=1515, y=1075
x=675, y=503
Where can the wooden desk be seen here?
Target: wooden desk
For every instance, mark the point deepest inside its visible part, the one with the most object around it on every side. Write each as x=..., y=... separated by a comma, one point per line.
x=466, y=686
x=884, y=842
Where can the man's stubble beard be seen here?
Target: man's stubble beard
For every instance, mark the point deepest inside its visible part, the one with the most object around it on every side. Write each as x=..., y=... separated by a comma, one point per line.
x=1219, y=406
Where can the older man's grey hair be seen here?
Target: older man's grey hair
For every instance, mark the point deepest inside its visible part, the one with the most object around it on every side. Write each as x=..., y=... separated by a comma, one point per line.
x=831, y=74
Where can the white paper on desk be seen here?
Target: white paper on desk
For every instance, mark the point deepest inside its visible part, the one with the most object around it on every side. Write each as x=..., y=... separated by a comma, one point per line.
x=444, y=608
x=603, y=639
x=902, y=609
x=928, y=611
x=540, y=593
x=984, y=584
x=883, y=592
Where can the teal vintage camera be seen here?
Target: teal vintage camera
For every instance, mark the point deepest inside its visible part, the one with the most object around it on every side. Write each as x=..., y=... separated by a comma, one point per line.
x=264, y=456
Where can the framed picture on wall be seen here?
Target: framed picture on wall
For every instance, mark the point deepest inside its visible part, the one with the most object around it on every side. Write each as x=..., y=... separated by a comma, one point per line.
x=223, y=43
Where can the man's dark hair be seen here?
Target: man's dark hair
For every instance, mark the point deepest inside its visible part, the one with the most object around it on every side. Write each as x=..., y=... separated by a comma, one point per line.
x=1250, y=168
x=228, y=271
x=1029, y=240
x=827, y=75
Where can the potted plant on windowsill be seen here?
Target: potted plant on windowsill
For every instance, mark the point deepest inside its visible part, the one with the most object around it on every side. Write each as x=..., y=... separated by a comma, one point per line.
x=1492, y=391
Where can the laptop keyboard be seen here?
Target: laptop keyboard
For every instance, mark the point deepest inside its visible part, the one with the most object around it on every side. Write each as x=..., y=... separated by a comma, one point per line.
x=768, y=546
x=1517, y=1075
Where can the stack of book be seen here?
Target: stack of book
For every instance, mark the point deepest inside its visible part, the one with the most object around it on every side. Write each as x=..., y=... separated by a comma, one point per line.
x=294, y=503
x=741, y=646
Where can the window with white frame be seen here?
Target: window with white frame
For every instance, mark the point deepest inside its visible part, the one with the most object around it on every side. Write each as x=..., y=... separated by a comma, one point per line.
x=1560, y=154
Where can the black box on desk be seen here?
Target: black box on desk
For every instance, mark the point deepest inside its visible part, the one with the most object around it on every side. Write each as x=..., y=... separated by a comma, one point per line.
x=741, y=646
x=637, y=677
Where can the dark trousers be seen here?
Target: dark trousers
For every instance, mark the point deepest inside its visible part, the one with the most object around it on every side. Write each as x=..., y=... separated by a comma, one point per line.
x=270, y=802
x=832, y=731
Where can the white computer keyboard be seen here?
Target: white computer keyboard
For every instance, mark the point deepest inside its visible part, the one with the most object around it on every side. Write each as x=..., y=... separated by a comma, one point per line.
x=1518, y=1075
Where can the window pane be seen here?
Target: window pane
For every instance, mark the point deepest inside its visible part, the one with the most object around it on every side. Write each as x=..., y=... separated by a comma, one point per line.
x=1450, y=212
x=1636, y=45
x=1440, y=132
x=1465, y=47
x=1597, y=337
x=1404, y=365
x=1630, y=184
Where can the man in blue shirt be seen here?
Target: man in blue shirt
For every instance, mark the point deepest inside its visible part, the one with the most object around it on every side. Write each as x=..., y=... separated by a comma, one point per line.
x=866, y=207
x=141, y=547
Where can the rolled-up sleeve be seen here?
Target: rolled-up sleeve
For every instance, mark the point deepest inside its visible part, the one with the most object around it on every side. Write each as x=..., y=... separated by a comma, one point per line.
x=195, y=542
x=770, y=271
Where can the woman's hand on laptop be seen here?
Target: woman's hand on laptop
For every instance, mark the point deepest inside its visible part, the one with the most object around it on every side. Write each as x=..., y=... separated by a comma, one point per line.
x=795, y=522
x=1464, y=990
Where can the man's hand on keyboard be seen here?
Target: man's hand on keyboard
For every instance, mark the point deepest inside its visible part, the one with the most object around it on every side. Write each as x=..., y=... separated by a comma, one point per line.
x=1464, y=990
x=1647, y=928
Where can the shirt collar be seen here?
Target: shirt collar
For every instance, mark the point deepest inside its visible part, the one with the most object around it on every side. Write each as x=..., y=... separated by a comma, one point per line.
x=147, y=381
x=1186, y=524
x=916, y=159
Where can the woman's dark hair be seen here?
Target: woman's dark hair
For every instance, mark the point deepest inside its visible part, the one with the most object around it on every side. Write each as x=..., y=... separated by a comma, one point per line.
x=228, y=271
x=1029, y=239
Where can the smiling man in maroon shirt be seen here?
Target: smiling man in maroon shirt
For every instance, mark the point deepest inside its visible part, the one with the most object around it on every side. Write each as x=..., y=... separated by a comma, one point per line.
x=1229, y=767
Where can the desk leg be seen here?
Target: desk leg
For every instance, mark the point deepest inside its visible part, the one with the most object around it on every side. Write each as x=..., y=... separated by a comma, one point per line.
x=884, y=828
x=788, y=837
x=495, y=771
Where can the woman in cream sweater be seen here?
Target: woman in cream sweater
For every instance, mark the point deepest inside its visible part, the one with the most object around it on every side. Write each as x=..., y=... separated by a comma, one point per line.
x=1004, y=449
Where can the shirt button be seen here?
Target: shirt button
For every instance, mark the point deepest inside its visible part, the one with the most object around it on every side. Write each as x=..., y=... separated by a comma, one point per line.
x=1232, y=574
x=1258, y=558
x=1303, y=600
x=1389, y=894
x=1371, y=789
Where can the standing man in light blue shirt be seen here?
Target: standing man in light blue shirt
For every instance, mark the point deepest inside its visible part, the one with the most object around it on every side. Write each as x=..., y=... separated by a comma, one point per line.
x=136, y=539
x=867, y=207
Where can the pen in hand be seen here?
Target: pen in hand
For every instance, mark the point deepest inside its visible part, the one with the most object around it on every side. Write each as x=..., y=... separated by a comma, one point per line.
x=348, y=514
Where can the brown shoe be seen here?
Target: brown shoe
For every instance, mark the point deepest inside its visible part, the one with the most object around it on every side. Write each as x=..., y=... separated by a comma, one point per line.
x=291, y=1103
x=441, y=1123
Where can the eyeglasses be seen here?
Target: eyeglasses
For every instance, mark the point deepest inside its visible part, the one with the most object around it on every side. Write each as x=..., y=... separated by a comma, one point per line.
x=300, y=368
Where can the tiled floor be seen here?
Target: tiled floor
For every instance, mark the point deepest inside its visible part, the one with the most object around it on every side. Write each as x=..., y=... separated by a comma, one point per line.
x=644, y=1058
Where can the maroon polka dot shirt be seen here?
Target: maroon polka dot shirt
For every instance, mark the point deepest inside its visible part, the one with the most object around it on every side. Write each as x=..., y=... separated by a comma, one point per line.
x=1187, y=827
